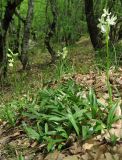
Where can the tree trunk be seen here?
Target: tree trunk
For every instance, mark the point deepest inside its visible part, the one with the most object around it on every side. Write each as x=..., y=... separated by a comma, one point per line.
x=26, y=36
x=9, y=12
x=2, y=48
x=92, y=26
x=17, y=39
x=51, y=31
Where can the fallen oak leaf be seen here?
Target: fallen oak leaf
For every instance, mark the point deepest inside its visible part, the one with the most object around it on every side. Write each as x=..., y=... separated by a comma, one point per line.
x=87, y=146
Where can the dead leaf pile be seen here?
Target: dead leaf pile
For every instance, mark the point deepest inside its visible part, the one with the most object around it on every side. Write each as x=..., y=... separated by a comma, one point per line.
x=98, y=82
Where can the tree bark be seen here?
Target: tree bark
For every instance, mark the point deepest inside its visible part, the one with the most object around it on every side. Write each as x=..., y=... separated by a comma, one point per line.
x=92, y=26
x=19, y=16
x=26, y=36
x=51, y=30
x=9, y=12
x=17, y=39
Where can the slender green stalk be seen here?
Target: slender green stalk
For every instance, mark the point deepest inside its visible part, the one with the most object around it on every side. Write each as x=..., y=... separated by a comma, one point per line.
x=108, y=66
x=116, y=63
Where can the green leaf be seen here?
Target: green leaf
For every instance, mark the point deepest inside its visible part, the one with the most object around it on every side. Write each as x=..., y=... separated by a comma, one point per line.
x=85, y=130
x=99, y=127
x=46, y=128
x=62, y=132
x=111, y=115
x=50, y=146
x=94, y=107
x=60, y=146
x=10, y=115
x=90, y=96
x=55, y=118
x=20, y=157
x=31, y=132
x=80, y=113
x=53, y=143
x=93, y=102
x=73, y=122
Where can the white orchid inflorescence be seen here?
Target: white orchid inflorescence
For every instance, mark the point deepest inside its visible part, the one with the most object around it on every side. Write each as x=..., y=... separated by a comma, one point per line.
x=11, y=57
x=106, y=21
x=64, y=53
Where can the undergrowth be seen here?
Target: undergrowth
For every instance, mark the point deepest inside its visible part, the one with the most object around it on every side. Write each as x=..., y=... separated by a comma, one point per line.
x=53, y=114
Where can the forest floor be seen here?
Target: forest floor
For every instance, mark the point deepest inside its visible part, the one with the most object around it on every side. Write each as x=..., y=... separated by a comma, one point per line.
x=13, y=141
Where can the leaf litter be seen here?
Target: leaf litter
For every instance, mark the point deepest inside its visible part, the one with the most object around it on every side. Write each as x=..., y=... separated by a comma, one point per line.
x=96, y=148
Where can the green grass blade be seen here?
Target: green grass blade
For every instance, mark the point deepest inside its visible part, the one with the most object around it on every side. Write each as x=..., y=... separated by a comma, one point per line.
x=111, y=115
x=73, y=122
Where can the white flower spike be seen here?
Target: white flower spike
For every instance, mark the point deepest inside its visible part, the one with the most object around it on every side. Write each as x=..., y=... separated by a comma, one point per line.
x=106, y=13
x=10, y=64
x=63, y=54
x=111, y=21
x=106, y=21
x=11, y=57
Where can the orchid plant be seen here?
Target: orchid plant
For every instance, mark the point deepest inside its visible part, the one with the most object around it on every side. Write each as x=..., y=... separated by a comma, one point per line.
x=63, y=54
x=62, y=62
x=11, y=58
x=11, y=63
x=105, y=22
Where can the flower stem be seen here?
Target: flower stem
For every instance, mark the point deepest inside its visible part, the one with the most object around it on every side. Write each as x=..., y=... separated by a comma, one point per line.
x=108, y=66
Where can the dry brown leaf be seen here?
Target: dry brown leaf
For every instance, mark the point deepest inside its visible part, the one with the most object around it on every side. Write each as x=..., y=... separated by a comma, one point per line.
x=16, y=134
x=4, y=140
x=61, y=156
x=52, y=156
x=106, y=96
x=103, y=101
x=71, y=158
x=70, y=140
x=87, y=146
x=39, y=157
x=90, y=82
x=85, y=156
x=75, y=149
x=108, y=156
x=100, y=152
x=34, y=144
x=29, y=156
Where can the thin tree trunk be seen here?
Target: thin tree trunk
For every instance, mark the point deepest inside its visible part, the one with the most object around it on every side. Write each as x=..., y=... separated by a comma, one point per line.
x=17, y=39
x=26, y=36
x=92, y=26
x=9, y=12
x=52, y=29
